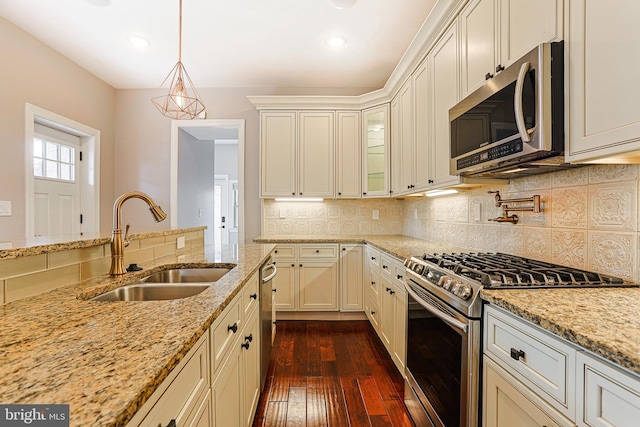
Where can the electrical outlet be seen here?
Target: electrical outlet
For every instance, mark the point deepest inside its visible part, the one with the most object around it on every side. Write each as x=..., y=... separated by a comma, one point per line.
x=283, y=212
x=180, y=242
x=376, y=214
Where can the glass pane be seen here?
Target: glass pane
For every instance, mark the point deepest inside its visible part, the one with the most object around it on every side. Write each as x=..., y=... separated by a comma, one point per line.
x=37, y=167
x=65, y=154
x=37, y=147
x=65, y=171
x=51, y=169
x=52, y=151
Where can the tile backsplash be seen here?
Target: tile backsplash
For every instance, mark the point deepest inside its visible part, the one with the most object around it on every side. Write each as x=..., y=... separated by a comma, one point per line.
x=589, y=219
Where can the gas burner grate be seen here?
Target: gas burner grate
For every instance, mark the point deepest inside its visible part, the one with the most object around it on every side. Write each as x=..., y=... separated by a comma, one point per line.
x=499, y=270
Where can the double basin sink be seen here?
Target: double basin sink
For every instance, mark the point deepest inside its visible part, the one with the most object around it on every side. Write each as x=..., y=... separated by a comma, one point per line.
x=175, y=283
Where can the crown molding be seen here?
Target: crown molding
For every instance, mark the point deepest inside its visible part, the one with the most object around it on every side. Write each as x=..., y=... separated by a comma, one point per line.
x=440, y=17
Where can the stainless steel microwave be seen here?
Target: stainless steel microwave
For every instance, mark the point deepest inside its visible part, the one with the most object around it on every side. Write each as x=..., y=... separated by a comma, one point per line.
x=514, y=124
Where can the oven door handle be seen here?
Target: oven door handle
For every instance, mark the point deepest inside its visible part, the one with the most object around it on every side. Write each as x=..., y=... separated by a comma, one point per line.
x=436, y=312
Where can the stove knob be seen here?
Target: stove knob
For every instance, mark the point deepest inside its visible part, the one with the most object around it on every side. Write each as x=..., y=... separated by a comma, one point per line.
x=455, y=288
x=465, y=292
x=446, y=283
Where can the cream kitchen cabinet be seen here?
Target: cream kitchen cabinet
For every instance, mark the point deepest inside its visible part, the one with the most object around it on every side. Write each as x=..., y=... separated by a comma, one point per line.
x=496, y=33
x=375, y=160
x=402, y=141
x=532, y=377
x=182, y=398
x=307, y=277
x=349, y=155
x=602, y=81
x=351, y=277
x=235, y=381
x=297, y=154
x=372, y=285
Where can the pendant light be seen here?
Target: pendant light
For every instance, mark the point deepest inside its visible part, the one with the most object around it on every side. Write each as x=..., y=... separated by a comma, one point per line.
x=182, y=100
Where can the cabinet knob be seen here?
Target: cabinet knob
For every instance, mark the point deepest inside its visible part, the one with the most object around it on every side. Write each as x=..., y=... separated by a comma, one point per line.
x=344, y=249
x=373, y=313
x=499, y=68
x=388, y=289
x=430, y=181
x=293, y=194
x=300, y=265
x=399, y=276
x=253, y=296
x=392, y=292
x=517, y=354
x=373, y=283
x=248, y=337
x=300, y=194
x=233, y=328
x=317, y=251
x=373, y=258
x=364, y=194
x=339, y=194
x=274, y=290
x=245, y=345
x=384, y=266
x=275, y=252
x=488, y=76
x=293, y=265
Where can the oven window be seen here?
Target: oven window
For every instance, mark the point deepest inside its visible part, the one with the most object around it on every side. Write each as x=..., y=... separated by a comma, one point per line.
x=434, y=358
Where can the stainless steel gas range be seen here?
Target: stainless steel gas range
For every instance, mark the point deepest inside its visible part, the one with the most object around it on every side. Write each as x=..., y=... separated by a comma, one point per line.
x=444, y=325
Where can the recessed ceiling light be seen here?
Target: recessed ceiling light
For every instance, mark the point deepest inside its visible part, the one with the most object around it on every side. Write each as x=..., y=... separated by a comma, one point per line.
x=336, y=41
x=138, y=41
x=342, y=4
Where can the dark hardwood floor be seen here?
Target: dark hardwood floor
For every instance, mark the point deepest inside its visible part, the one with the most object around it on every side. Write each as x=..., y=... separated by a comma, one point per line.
x=331, y=373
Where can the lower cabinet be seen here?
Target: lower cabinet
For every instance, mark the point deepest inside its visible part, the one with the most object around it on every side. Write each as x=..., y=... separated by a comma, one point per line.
x=534, y=378
x=351, y=278
x=318, y=286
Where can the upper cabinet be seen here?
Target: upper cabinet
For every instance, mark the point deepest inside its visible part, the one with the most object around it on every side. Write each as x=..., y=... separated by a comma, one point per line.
x=278, y=177
x=297, y=154
x=496, y=33
x=375, y=167
x=602, y=80
x=402, y=141
x=349, y=154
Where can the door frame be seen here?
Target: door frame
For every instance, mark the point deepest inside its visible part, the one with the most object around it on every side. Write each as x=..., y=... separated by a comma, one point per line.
x=89, y=168
x=173, y=186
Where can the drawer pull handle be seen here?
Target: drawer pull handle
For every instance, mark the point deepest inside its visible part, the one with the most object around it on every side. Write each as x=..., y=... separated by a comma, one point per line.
x=373, y=313
x=274, y=290
x=388, y=289
x=245, y=346
x=233, y=328
x=399, y=276
x=373, y=283
x=373, y=258
x=517, y=354
x=249, y=338
x=384, y=266
x=253, y=296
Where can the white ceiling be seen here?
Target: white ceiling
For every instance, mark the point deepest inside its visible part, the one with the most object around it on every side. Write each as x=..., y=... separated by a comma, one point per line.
x=227, y=43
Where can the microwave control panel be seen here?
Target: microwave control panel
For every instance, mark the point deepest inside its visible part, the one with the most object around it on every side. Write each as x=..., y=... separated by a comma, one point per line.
x=502, y=150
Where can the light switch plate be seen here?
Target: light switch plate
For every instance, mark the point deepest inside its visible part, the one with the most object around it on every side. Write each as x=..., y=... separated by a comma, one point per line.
x=180, y=242
x=476, y=212
x=283, y=212
x=376, y=214
x=5, y=208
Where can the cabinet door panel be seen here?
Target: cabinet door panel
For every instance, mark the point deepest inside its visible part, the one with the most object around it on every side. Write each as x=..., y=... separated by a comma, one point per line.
x=316, y=159
x=477, y=28
x=444, y=87
x=251, y=367
x=278, y=154
x=422, y=109
x=349, y=155
x=602, y=79
x=285, y=285
x=226, y=391
x=318, y=286
x=351, y=279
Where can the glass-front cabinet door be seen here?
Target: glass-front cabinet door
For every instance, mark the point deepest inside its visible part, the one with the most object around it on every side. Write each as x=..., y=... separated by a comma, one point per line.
x=375, y=180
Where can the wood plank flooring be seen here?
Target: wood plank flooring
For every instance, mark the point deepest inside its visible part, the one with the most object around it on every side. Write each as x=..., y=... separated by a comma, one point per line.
x=331, y=373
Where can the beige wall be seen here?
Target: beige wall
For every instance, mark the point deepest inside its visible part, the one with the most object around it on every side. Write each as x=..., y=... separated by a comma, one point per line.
x=34, y=73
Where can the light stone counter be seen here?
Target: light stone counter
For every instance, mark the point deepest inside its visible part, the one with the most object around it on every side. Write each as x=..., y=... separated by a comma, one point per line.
x=605, y=321
x=105, y=359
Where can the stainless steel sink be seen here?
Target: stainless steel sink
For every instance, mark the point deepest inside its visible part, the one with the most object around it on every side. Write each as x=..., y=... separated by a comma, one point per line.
x=152, y=292
x=187, y=275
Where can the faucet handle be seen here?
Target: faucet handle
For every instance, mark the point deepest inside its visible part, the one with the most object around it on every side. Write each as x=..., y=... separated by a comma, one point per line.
x=126, y=235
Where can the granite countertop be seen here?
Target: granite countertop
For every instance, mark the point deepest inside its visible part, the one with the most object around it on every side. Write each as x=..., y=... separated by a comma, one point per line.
x=105, y=359
x=41, y=245
x=605, y=321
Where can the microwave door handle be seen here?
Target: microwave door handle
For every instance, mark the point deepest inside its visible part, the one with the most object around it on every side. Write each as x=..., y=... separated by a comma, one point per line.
x=517, y=103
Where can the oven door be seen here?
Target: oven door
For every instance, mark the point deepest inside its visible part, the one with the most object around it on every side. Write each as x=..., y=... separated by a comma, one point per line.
x=443, y=364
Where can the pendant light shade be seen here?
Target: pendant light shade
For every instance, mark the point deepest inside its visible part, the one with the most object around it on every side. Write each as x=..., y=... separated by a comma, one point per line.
x=182, y=100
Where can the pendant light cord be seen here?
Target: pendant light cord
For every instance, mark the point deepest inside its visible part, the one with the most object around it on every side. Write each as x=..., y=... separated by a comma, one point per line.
x=180, y=35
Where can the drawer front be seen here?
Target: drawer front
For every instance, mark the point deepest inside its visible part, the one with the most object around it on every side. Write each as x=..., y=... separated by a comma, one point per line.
x=225, y=329
x=374, y=286
x=386, y=265
x=536, y=358
x=399, y=273
x=250, y=295
x=317, y=251
x=611, y=397
x=372, y=256
x=185, y=393
x=284, y=252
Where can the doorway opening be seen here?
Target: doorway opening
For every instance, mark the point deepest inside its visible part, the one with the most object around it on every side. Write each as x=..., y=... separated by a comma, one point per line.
x=207, y=179
x=62, y=175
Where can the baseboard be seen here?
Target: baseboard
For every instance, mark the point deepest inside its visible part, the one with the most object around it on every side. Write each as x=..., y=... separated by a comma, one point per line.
x=320, y=315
